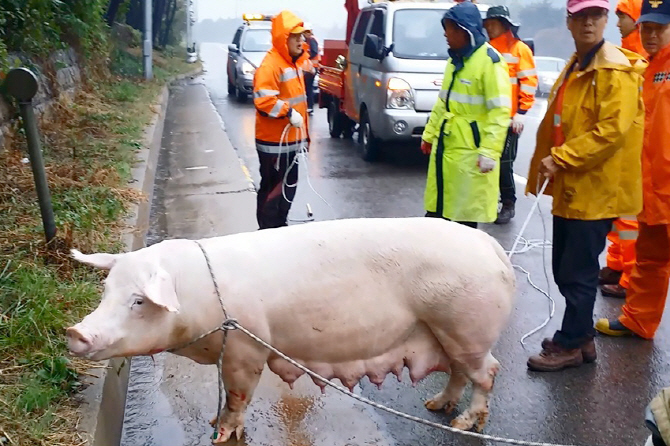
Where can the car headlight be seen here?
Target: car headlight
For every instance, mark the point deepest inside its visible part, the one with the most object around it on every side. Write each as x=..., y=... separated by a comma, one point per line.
x=549, y=80
x=399, y=94
x=247, y=68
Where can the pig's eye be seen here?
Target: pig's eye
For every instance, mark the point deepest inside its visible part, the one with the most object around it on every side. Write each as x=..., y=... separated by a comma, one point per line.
x=138, y=302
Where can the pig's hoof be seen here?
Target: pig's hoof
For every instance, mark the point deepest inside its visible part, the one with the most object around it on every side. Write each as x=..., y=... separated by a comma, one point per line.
x=482, y=418
x=464, y=422
x=213, y=422
x=225, y=433
x=435, y=403
x=451, y=406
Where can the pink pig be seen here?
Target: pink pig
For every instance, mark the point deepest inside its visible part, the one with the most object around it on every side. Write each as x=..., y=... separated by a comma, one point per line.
x=346, y=298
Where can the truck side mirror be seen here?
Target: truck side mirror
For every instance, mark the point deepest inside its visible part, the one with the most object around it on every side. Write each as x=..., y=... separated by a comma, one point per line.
x=232, y=48
x=373, y=47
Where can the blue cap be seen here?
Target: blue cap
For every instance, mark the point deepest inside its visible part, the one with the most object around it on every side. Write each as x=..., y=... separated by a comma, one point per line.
x=655, y=11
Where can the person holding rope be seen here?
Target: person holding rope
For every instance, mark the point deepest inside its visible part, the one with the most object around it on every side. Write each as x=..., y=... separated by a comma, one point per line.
x=281, y=119
x=468, y=124
x=589, y=147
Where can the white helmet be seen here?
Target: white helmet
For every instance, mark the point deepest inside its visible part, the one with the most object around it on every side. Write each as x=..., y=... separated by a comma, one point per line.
x=307, y=26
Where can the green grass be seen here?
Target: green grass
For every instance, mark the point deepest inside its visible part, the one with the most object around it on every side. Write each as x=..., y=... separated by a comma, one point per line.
x=89, y=152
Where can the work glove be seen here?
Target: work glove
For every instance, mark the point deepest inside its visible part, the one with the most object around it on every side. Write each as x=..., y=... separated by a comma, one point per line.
x=296, y=118
x=518, y=122
x=485, y=164
x=426, y=147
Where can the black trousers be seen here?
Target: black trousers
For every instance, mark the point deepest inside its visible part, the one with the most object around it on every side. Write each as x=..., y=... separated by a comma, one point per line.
x=309, y=88
x=273, y=205
x=471, y=224
x=576, y=247
x=507, y=185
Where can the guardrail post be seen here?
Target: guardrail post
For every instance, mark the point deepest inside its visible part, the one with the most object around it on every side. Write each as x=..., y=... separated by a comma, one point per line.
x=22, y=84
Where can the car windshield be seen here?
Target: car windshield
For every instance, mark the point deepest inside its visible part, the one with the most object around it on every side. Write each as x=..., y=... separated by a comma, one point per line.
x=418, y=34
x=549, y=65
x=257, y=40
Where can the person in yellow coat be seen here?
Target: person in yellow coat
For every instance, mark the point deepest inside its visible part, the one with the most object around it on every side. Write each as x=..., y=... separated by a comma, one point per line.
x=589, y=145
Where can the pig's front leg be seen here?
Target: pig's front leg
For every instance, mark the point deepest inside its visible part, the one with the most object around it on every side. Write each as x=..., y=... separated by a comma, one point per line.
x=240, y=379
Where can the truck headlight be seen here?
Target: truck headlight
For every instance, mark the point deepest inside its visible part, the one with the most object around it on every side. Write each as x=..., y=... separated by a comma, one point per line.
x=399, y=94
x=247, y=68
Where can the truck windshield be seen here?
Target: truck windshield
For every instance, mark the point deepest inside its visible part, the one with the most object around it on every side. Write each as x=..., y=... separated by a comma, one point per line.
x=257, y=40
x=418, y=34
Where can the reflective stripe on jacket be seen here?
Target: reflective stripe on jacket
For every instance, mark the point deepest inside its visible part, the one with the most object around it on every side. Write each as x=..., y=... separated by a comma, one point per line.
x=279, y=87
x=656, y=151
x=522, y=71
x=475, y=122
x=602, y=121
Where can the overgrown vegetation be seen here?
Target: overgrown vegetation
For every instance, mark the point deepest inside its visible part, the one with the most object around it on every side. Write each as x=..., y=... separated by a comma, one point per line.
x=89, y=144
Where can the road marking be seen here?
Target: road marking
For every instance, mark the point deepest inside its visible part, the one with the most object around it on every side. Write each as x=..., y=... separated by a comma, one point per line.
x=209, y=151
x=197, y=168
x=521, y=180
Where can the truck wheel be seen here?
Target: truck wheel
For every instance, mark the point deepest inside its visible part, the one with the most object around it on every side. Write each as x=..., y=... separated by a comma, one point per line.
x=369, y=144
x=334, y=120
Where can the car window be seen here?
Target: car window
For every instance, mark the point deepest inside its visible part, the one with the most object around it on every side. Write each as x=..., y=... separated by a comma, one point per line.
x=549, y=65
x=377, y=27
x=236, y=39
x=359, y=35
x=257, y=40
x=418, y=34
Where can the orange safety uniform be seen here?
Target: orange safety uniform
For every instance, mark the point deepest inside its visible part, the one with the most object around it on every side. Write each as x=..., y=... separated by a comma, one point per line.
x=522, y=72
x=621, y=251
x=648, y=288
x=279, y=89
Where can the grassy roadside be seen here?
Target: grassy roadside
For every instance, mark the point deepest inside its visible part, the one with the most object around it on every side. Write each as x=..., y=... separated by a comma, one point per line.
x=89, y=146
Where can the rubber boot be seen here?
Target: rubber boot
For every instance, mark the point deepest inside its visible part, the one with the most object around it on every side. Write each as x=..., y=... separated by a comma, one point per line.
x=506, y=213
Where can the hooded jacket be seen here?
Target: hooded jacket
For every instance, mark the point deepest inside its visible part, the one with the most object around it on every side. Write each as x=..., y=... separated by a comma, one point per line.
x=470, y=118
x=632, y=42
x=279, y=90
x=602, y=120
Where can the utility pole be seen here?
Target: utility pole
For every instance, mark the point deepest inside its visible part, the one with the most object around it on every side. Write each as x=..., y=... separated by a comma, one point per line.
x=147, y=48
x=191, y=53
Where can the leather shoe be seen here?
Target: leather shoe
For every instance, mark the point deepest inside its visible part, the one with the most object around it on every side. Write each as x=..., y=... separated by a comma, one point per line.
x=609, y=276
x=555, y=358
x=588, y=349
x=613, y=291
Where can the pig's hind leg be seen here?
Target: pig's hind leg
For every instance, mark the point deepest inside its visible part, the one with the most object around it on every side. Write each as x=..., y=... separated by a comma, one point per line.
x=448, y=399
x=482, y=373
x=240, y=378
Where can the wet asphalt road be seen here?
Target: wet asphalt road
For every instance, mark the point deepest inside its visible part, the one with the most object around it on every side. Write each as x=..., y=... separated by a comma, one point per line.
x=599, y=404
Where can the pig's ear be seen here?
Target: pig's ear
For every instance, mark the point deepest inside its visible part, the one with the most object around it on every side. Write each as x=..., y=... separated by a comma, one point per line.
x=100, y=260
x=160, y=290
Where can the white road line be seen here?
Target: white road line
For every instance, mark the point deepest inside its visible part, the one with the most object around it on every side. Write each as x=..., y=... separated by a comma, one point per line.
x=521, y=180
x=196, y=168
x=209, y=151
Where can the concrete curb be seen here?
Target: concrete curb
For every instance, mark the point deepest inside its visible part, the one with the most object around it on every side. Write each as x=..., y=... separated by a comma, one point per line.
x=104, y=399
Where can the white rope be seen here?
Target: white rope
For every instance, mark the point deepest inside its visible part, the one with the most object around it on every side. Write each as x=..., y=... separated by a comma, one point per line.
x=528, y=245
x=300, y=157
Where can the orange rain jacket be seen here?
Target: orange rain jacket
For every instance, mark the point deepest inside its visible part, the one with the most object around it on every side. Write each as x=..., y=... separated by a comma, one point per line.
x=632, y=42
x=522, y=72
x=656, y=147
x=279, y=89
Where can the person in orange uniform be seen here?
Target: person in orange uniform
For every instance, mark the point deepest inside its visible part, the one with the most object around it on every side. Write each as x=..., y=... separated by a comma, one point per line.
x=523, y=75
x=311, y=46
x=614, y=278
x=281, y=109
x=645, y=301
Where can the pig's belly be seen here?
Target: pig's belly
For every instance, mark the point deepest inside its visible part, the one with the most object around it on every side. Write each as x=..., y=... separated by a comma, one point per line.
x=416, y=348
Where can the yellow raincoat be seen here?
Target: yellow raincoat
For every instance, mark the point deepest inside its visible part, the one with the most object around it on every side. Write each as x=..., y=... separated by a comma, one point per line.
x=600, y=172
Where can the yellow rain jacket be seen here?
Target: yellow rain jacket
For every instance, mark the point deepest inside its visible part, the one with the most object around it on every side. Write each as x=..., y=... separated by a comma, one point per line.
x=600, y=172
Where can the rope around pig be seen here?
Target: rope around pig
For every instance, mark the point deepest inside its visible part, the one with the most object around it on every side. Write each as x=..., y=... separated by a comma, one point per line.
x=232, y=324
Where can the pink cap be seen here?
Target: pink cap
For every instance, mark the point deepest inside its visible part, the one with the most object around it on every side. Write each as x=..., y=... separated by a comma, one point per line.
x=575, y=6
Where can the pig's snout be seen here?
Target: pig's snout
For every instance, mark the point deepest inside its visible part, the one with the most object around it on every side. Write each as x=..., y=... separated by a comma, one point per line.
x=79, y=343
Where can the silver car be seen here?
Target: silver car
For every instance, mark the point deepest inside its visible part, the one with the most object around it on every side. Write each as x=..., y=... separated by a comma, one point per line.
x=252, y=40
x=548, y=70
